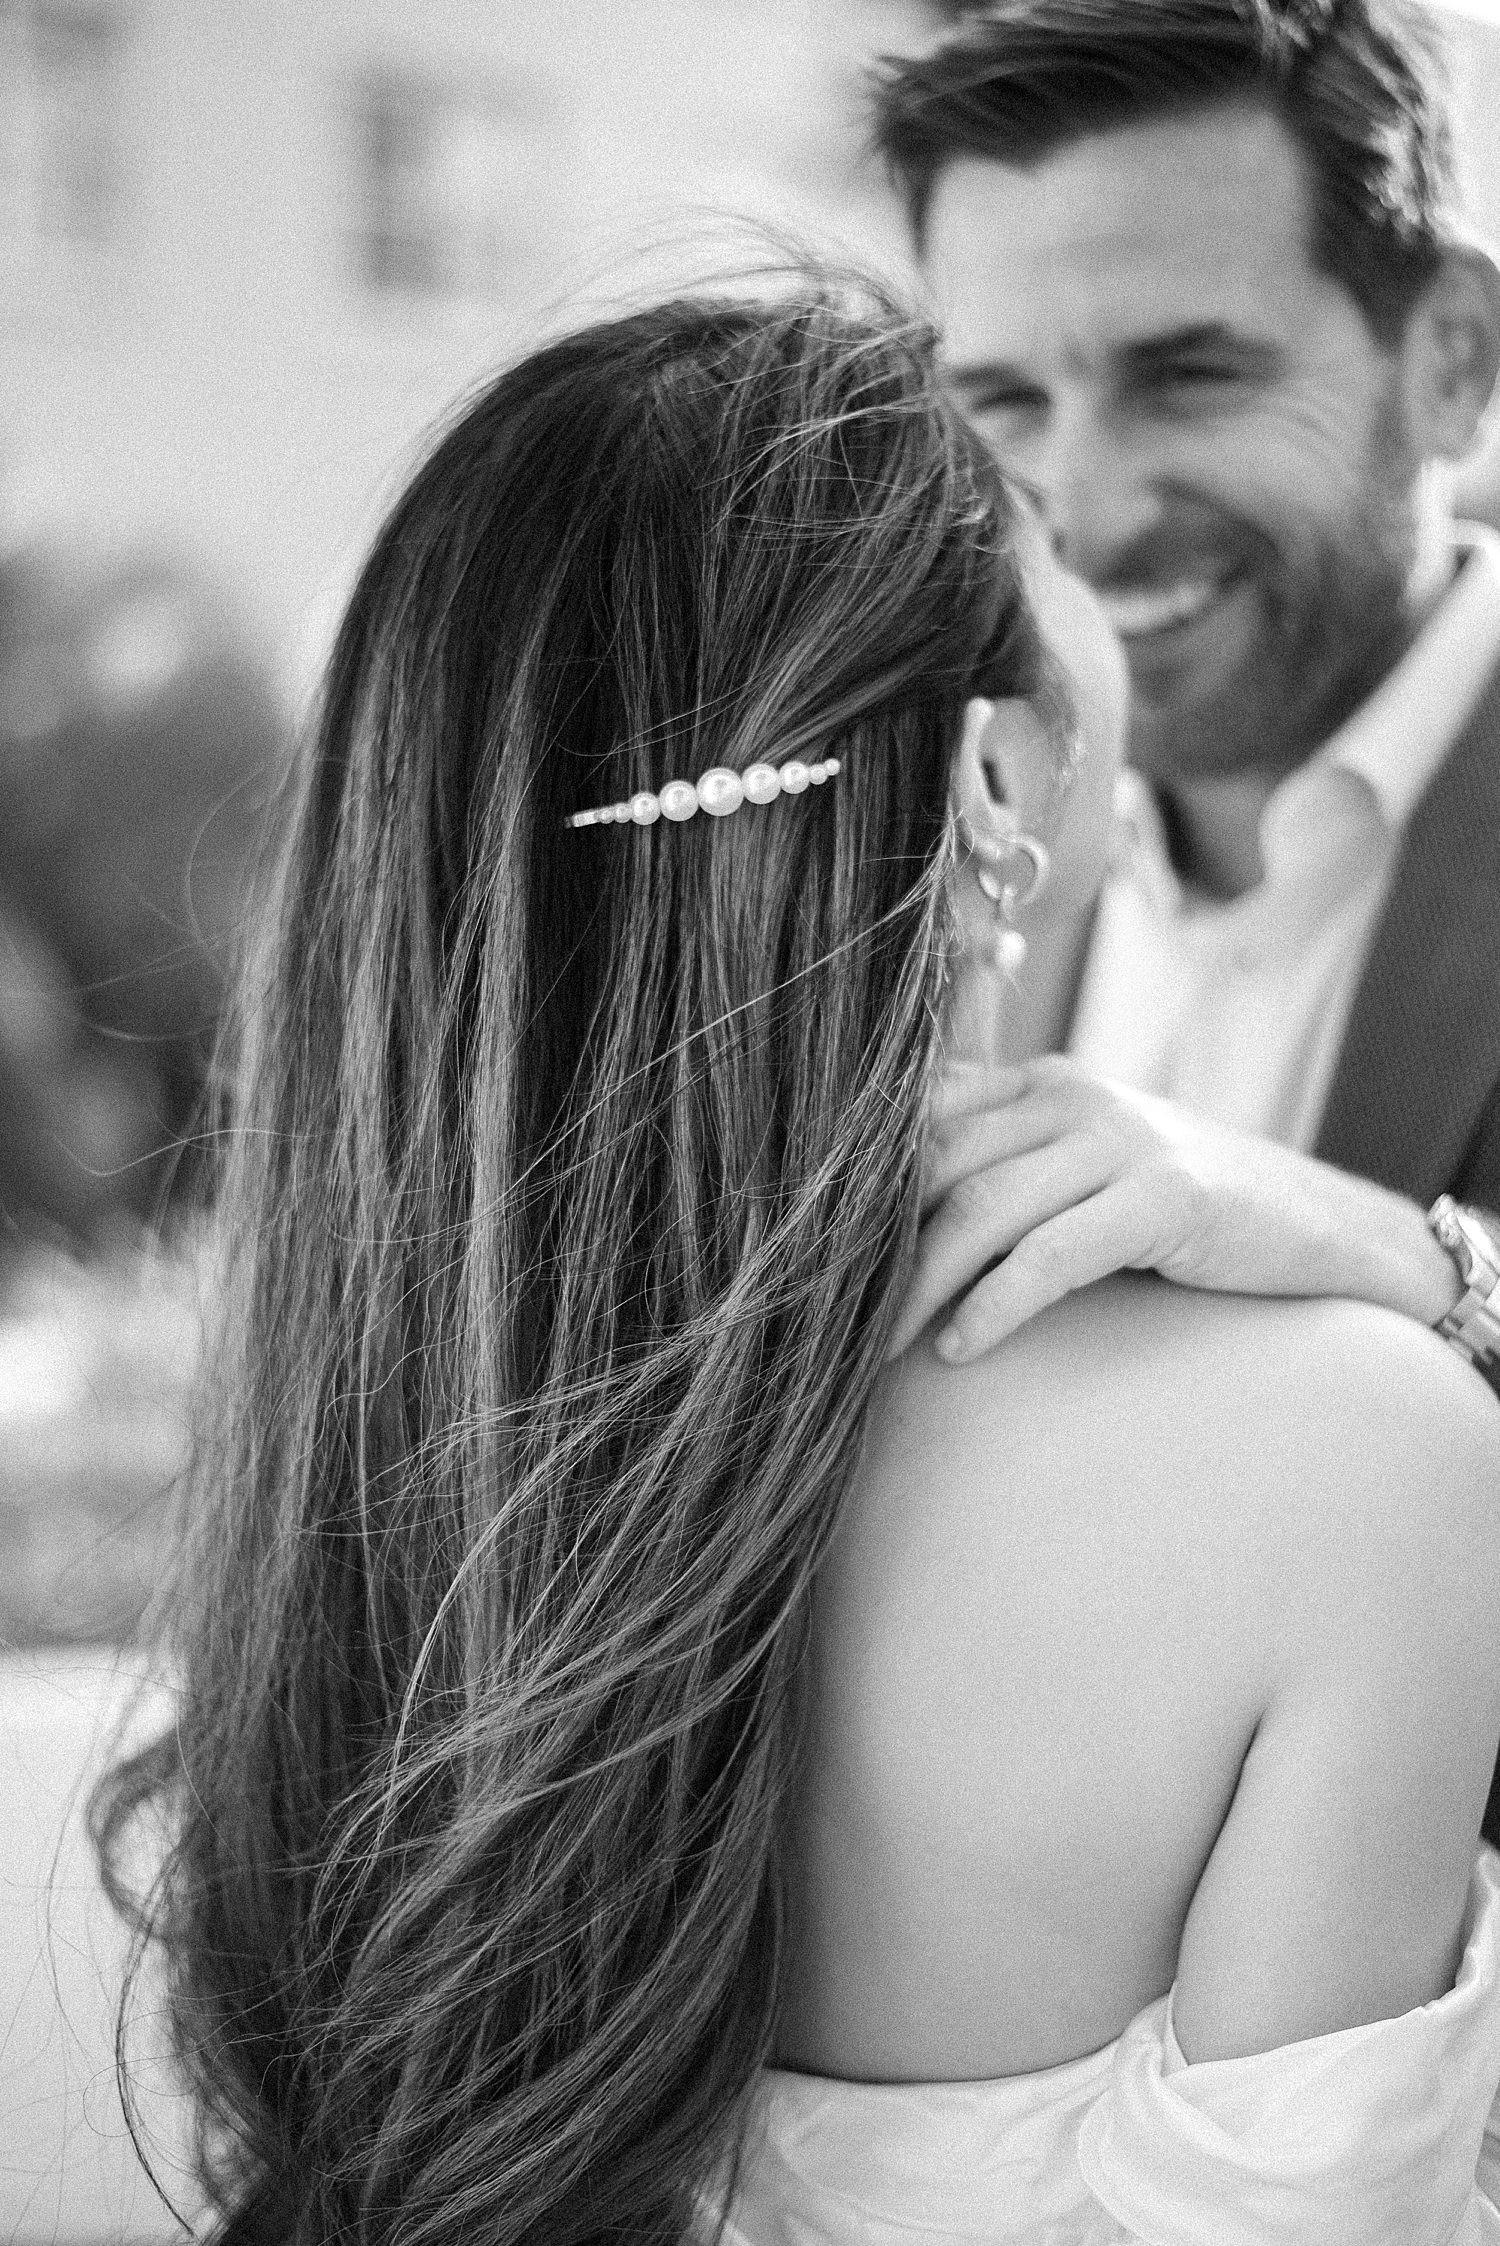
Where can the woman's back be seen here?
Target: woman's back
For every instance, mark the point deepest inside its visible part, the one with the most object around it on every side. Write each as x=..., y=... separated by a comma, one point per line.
x=1075, y=1586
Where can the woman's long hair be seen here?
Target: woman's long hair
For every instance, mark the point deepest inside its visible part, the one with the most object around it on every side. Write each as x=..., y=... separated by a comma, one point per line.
x=567, y=1204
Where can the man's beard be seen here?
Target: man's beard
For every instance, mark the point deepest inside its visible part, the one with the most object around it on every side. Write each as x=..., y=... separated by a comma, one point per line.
x=1335, y=620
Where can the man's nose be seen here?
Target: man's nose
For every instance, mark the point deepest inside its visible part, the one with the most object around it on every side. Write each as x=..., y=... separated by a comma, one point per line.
x=1098, y=494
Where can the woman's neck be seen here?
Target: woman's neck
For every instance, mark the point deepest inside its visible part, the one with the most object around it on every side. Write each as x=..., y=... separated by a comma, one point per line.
x=1039, y=1006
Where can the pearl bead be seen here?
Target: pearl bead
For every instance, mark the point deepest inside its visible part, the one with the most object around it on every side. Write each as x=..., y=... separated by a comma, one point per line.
x=678, y=799
x=762, y=783
x=817, y=773
x=795, y=776
x=720, y=791
x=644, y=809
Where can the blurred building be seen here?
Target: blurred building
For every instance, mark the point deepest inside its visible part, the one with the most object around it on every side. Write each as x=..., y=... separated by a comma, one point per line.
x=247, y=253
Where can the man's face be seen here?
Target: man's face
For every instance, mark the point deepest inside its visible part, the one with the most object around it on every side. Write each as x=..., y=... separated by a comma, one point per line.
x=1215, y=437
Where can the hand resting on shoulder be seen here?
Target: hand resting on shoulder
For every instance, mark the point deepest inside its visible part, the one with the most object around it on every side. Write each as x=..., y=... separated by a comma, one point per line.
x=1041, y=1179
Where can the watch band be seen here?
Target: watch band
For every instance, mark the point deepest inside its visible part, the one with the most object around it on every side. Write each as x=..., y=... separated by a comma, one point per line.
x=1473, y=1324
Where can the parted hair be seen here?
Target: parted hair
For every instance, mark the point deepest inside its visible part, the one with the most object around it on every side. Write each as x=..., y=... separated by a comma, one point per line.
x=570, y=1182
x=1359, y=86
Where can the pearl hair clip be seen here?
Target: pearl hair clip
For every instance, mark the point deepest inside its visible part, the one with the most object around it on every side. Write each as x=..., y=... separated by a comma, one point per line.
x=719, y=792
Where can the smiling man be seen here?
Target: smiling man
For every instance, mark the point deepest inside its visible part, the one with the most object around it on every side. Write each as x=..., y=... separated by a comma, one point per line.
x=1222, y=444
x=1204, y=293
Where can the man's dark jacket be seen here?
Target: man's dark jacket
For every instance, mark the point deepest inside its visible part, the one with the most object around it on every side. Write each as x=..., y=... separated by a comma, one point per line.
x=1415, y=1099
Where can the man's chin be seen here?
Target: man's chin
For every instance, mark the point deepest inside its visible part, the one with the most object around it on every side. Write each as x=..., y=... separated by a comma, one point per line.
x=1211, y=714
x=1269, y=718
x=1257, y=680
x=1198, y=742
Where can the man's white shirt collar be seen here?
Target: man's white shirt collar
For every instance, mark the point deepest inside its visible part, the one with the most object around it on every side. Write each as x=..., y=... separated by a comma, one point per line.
x=1399, y=736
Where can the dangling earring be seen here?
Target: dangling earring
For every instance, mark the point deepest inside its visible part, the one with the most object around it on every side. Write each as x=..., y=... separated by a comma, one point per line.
x=1009, y=892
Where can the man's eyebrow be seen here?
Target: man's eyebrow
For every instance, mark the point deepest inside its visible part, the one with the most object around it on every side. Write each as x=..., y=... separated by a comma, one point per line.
x=1204, y=339
x=973, y=381
x=976, y=378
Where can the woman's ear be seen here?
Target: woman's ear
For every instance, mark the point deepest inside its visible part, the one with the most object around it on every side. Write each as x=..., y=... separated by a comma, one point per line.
x=1003, y=772
x=1450, y=352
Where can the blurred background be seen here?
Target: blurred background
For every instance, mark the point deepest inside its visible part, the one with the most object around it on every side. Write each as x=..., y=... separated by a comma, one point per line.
x=247, y=255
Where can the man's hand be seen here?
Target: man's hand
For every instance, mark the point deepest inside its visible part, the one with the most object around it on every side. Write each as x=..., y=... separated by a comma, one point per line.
x=1040, y=1179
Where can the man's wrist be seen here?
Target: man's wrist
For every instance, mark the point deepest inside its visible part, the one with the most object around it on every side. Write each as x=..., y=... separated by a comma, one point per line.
x=1471, y=1238
x=1408, y=1268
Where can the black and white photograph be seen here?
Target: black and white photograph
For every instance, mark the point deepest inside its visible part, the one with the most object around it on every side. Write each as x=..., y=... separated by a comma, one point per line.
x=750, y=1123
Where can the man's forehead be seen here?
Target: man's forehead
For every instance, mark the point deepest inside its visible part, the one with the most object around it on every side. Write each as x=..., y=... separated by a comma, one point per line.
x=1174, y=223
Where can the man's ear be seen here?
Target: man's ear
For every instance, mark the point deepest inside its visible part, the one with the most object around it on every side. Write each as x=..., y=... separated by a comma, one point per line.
x=1450, y=353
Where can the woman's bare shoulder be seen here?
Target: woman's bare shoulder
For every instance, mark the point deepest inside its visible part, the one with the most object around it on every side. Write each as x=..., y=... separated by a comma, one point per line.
x=1274, y=1461
x=1137, y=1382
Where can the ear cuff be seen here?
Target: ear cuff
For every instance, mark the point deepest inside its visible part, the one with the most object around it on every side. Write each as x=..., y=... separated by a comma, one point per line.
x=1008, y=890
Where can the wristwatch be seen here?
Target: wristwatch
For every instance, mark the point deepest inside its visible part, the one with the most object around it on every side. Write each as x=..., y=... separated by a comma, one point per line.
x=1473, y=1324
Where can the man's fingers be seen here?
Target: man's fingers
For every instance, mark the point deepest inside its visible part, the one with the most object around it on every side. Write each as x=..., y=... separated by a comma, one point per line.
x=922, y=1302
x=1070, y=1250
x=968, y=1087
x=1031, y=1120
x=984, y=1217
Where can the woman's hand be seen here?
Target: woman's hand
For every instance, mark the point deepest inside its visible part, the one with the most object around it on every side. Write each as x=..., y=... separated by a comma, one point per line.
x=1040, y=1179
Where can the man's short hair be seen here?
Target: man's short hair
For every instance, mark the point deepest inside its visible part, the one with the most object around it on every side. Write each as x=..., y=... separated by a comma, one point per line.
x=1359, y=85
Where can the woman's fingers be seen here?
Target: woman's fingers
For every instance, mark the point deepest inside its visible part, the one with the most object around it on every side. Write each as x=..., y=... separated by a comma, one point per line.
x=986, y=1215
x=1081, y=1244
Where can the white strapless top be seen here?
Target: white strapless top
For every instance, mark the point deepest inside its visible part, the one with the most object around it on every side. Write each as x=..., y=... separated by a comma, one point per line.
x=1376, y=2136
